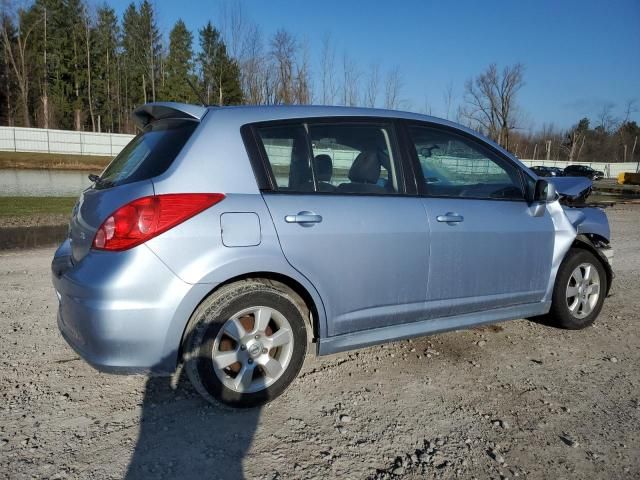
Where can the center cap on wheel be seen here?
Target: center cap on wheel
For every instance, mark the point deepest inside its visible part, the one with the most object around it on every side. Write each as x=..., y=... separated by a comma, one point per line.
x=254, y=348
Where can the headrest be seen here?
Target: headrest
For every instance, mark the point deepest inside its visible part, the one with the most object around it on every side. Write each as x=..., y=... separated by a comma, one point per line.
x=324, y=167
x=365, y=168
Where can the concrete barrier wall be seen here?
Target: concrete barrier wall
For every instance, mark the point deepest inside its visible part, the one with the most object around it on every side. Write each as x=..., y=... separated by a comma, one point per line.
x=18, y=139
x=39, y=140
x=342, y=159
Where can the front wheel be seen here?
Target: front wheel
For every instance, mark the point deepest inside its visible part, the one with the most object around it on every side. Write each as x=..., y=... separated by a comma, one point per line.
x=579, y=291
x=245, y=343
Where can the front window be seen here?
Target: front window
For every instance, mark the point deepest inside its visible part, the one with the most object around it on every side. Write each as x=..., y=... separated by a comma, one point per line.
x=453, y=166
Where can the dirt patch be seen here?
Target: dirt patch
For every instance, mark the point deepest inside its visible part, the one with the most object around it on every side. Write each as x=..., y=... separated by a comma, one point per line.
x=36, y=220
x=32, y=236
x=524, y=400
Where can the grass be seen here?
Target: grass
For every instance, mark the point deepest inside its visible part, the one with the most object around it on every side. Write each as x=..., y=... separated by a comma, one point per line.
x=25, y=206
x=55, y=161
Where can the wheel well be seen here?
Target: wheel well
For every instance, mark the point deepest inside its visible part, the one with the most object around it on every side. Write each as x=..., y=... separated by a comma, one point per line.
x=283, y=282
x=586, y=243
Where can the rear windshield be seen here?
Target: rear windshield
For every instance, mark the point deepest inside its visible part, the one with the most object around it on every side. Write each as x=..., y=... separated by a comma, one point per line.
x=149, y=154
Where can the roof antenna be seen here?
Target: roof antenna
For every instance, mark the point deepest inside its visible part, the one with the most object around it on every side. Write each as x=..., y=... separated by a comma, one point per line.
x=198, y=94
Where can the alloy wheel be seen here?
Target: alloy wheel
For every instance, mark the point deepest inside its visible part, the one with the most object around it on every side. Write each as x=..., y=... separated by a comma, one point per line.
x=252, y=349
x=583, y=290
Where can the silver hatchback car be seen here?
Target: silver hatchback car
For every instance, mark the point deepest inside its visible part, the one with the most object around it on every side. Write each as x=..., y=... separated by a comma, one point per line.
x=231, y=240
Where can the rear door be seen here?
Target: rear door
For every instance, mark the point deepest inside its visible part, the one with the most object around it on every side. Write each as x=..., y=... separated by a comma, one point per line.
x=338, y=201
x=488, y=248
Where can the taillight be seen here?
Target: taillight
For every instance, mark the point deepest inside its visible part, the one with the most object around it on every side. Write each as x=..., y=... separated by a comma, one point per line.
x=144, y=218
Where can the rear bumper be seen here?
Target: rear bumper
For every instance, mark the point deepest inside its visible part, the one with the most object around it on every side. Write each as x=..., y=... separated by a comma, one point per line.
x=123, y=312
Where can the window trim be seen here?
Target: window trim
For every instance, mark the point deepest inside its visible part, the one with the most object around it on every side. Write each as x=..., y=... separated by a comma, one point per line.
x=263, y=171
x=483, y=147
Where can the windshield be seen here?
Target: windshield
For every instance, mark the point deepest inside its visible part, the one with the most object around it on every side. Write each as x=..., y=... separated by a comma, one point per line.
x=149, y=154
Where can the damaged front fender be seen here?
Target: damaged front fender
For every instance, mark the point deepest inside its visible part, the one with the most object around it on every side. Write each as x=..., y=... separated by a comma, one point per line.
x=589, y=221
x=565, y=234
x=585, y=227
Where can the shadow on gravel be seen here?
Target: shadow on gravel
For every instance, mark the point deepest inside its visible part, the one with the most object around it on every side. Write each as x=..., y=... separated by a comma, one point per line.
x=182, y=436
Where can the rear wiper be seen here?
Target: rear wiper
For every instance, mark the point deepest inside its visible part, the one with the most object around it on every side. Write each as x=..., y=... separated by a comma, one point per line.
x=99, y=181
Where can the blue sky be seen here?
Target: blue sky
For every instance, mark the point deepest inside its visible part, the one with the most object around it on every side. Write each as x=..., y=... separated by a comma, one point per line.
x=578, y=55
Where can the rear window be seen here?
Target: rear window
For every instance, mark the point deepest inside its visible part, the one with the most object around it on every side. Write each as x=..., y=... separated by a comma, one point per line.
x=149, y=154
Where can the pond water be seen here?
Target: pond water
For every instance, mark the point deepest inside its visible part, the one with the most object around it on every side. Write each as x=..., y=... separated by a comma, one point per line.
x=69, y=183
x=42, y=183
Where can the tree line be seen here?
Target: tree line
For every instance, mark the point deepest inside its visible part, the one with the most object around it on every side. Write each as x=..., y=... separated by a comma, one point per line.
x=605, y=138
x=66, y=64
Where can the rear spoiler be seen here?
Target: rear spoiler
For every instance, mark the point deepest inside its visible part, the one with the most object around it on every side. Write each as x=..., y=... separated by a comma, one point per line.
x=150, y=112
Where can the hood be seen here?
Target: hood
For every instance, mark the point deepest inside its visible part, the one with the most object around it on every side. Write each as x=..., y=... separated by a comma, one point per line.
x=572, y=188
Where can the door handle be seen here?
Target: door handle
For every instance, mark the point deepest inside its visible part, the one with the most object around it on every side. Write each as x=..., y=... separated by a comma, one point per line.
x=450, y=218
x=304, y=218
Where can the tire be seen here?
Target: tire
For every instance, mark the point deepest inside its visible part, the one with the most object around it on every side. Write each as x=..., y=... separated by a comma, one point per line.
x=256, y=324
x=579, y=311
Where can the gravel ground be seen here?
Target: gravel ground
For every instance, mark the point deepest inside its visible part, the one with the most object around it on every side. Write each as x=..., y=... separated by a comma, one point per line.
x=513, y=400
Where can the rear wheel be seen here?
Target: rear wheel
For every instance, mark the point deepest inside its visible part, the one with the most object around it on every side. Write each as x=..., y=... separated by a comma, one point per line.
x=245, y=343
x=579, y=292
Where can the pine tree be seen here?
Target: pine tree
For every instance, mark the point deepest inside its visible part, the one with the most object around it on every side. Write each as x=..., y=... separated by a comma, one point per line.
x=133, y=69
x=105, y=74
x=8, y=85
x=149, y=37
x=220, y=75
x=179, y=66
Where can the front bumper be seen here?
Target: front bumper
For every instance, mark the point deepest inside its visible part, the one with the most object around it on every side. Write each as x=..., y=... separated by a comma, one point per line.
x=122, y=312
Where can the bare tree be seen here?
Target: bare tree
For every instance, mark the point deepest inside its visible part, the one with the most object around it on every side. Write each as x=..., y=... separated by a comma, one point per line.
x=606, y=120
x=87, y=25
x=630, y=107
x=328, y=73
x=392, y=87
x=491, y=101
x=252, y=67
x=372, y=86
x=448, y=99
x=426, y=108
x=235, y=27
x=351, y=81
x=45, y=75
x=16, y=52
x=303, y=87
x=283, y=52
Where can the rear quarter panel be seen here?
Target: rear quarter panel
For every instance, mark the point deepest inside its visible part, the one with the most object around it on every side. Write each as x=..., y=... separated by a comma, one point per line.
x=195, y=252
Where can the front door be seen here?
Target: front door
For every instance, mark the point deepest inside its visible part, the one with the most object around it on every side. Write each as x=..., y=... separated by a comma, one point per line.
x=344, y=223
x=488, y=249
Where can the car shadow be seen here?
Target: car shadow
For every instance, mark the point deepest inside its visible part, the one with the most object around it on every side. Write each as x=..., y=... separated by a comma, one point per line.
x=182, y=436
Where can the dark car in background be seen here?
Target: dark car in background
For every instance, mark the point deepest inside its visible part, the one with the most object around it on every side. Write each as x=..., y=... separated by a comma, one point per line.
x=544, y=171
x=583, y=171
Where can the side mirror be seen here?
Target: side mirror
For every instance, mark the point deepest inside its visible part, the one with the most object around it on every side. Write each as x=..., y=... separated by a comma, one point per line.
x=545, y=192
